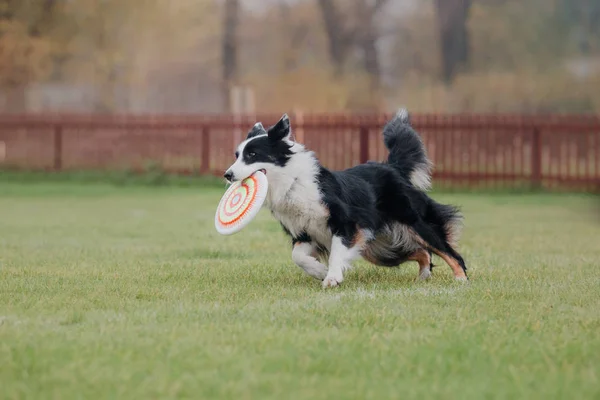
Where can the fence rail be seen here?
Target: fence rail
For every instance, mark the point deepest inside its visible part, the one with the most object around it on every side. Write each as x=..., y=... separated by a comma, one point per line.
x=554, y=152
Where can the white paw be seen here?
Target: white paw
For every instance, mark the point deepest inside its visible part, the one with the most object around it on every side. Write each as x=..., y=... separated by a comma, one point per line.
x=318, y=274
x=461, y=279
x=331, y=281
x=424, y=274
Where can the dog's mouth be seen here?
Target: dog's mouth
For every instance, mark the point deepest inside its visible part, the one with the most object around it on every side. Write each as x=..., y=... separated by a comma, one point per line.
x=230, y=181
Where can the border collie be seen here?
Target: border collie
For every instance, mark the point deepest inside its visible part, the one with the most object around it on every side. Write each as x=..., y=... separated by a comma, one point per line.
x=378, y=211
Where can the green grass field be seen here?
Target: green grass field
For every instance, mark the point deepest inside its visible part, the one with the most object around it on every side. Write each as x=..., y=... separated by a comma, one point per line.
x=130, y=293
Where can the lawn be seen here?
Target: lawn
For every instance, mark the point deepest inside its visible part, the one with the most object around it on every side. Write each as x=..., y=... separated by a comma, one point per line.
x=129, y=293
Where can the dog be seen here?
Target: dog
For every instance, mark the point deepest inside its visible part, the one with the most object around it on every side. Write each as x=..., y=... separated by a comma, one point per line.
x=379, y=211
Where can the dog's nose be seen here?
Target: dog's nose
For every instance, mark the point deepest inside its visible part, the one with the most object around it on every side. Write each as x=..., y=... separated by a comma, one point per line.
x=228, y=175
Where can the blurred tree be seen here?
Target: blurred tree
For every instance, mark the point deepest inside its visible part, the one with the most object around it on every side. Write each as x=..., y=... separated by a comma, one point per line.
x=357, y=27
x=582, y=18
x=367, y=36
x=230, y=41
x=339, y=36
x=182, y=55
x=25, y=49
x=452, y=18
x=295, y=31
x=352, y=30
x=44, y=20
x=513, y=35
x=94, y=45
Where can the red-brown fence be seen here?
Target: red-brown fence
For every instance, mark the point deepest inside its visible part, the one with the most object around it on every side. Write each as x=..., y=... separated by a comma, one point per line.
x=467, y=150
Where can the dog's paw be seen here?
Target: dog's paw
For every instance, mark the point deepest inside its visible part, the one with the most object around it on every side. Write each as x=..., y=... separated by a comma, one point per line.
x=424, y=274
x=331, y=281
x=318, y=273
x=461, y=279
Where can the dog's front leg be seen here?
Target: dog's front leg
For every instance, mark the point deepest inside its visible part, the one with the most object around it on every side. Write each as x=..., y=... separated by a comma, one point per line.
x=302, y=255
x=339, y=261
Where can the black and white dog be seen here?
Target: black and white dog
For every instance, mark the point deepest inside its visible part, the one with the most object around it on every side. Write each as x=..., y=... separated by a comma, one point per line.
x=379, y=211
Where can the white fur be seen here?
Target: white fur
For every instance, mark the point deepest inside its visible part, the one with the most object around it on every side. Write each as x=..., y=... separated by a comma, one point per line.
x=339, y=261
x=395, y=236
x=424, y=273
x=402, y=114
x=302, y=255
x=293, y=197
x=420, y=177
x=295, y=200
x=240, y=169
x=453, y=231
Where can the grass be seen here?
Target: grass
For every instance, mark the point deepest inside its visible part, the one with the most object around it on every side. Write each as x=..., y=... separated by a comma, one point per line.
x=128, y=292
x=153, y=175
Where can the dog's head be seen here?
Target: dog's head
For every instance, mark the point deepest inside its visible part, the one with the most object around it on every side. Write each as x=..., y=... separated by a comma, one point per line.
x=267, y=150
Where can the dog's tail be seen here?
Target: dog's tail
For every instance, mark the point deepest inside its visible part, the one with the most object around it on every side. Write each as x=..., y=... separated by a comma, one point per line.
x=407, y=151
x=447, y=219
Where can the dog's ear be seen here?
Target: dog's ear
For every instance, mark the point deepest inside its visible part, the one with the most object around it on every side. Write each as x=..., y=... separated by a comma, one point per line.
x=257, y=129
x=281, y=130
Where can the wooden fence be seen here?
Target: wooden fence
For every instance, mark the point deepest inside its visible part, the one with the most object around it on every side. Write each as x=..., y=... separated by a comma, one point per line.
x=553, y=152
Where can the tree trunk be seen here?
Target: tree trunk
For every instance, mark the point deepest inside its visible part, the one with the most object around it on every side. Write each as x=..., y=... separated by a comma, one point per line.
x=230, y=49
x=368, y=35
x=6, y=10
x=452, y=16
x=293, y=36
x=44, y=19
x=337, y=36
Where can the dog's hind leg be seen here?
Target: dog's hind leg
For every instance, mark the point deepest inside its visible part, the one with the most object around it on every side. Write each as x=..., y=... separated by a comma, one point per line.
x=455, y=262
x=443, y=249
x=423, y=257
x=303, y=256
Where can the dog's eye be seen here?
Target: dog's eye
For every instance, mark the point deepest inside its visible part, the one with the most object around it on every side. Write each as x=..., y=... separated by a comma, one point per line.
x=251, y=154
x=237, y=154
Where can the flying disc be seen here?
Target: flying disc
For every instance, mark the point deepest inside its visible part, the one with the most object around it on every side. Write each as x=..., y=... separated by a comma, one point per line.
x=241, y=203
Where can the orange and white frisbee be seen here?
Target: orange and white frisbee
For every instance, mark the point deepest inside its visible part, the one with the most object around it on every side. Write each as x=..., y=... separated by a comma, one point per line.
x=241, y=203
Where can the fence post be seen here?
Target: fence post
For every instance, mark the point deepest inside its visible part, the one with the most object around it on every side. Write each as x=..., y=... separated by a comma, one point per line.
x=536, y=159
x=364, y=144
x=205, y=160
x=58, y=147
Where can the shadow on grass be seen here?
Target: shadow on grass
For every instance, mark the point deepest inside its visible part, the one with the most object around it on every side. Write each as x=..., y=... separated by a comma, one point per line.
x=362, y=277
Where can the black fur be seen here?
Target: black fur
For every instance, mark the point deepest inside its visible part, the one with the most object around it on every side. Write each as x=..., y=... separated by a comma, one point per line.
x=382, y=205
x=407, y=152
x=256, y=130
x=374, y=196
x=263, y=149
x=280, y=130
x=270, y=148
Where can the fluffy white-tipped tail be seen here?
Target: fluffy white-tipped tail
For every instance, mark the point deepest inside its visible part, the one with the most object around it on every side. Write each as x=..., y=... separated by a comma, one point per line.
x=403, y=115
x=407, y=151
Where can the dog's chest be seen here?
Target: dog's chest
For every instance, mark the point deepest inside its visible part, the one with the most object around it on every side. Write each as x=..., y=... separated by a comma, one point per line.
x=301, y=212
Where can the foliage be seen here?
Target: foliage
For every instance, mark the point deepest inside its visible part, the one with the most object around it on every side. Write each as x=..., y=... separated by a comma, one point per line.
x=26, y=49
x=23, y=58
x=291, y=55
x=528, y=91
